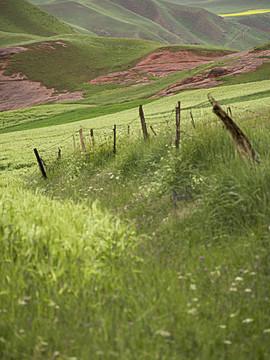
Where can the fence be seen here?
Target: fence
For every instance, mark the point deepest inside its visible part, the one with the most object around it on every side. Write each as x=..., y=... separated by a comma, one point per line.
x=162, y=118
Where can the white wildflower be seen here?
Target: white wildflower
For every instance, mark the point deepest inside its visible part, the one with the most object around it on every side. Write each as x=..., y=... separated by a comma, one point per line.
x=192, y=311
x=247, y=321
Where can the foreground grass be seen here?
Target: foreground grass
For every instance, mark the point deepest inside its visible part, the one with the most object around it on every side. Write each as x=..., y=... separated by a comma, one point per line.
x=171, y=264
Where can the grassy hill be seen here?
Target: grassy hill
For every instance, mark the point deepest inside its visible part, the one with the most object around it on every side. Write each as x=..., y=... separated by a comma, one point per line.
x=154, y=20
x=20, y=16
x=82, y=59
x=259, y=21
x=225, y=6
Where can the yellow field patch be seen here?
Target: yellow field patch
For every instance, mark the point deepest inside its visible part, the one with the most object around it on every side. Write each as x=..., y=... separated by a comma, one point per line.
x=249, y=12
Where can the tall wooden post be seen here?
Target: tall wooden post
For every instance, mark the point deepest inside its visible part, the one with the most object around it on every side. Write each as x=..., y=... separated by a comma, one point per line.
x=40, y=164
x=144, y=128
x=177, y=120
x=114, y=139
x=82, y=141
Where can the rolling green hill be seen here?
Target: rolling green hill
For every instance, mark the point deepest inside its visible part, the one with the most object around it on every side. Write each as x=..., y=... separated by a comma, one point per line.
x=20, y=16
x=165, y=22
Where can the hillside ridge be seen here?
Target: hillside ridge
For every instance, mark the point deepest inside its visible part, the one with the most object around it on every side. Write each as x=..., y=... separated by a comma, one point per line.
x=156, y=20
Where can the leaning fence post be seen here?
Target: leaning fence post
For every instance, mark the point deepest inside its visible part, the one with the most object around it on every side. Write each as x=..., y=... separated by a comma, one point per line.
x=144, y=128
x=40, y=164
x=82, y=141
x=177, y=120
x=239, y=138
x=114, y=139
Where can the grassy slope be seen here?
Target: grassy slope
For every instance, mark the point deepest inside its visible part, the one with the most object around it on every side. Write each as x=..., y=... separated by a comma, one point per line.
x=107, y=19
x=261, y=21
x=19, y=16
x=187, y=279
x=226, y=6
x=108, y=98
x=57, y=68
x=211, y=29
x=155, y=20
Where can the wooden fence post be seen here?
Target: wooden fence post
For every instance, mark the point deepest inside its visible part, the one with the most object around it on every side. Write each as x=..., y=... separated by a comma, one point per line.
x=177, y=120
x=40, y=164
x=128, y=132
x=82, y=141
x=192, y=120
x=114, y=139
x=92, y=136
x=74, y=142
x=240, y=140
x=144, y=128
x=59, y=154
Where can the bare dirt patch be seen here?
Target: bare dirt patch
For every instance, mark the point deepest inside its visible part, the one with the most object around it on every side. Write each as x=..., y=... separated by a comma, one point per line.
x=163, y=63
x=18, y=92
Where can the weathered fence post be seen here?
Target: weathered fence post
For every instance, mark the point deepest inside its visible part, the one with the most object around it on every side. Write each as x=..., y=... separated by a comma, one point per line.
x=192, y=120
x=92, y=136
x=128, y=132
x=240, y=140
x=114, y=139
x=82, y=141
x=177, y=120
x=74, y=142
x=144, y=128
x=59, y=154
x=40, y=164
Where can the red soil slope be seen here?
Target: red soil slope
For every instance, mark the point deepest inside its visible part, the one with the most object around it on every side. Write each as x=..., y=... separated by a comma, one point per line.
x=17, y=92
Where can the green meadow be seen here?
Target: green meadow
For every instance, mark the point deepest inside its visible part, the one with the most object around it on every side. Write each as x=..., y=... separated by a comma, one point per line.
x=138, y=251
x=152, y=253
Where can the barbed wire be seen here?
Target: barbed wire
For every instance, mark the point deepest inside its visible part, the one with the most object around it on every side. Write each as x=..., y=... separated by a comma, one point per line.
x=153, y=119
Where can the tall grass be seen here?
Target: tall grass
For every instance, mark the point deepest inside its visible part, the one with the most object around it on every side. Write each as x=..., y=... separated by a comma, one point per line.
x=152, y=253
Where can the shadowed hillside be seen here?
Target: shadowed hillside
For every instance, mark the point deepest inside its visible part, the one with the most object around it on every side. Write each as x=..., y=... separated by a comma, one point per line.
x=19, y=16
x=165, y=22
x=223, y=6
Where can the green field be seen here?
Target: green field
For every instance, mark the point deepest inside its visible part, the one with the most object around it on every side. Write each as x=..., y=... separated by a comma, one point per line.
x=150, y=254
x=134, y=250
